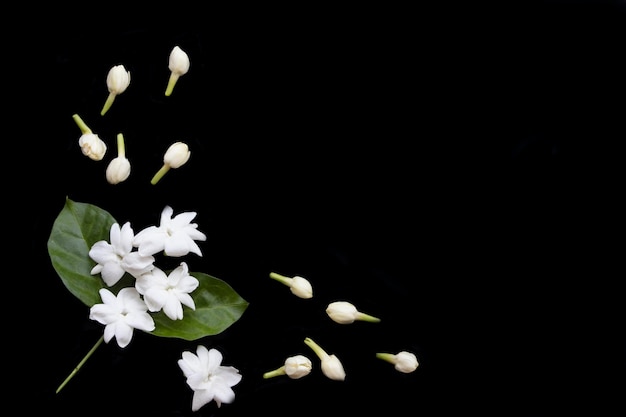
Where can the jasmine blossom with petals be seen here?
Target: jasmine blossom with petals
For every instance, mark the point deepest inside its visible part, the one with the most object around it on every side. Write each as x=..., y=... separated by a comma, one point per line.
x=404, y=361
x=119, y=167
x=295, y=367
x=168, y=292
x=115, y=258
x=90, y=144
x=176, y=156
x=178, y=65
x=299, y=286
x=344, y=312
x=330, y=364
x=118, y=80
x=174, y=236
x=121, y=315
x=208, y=378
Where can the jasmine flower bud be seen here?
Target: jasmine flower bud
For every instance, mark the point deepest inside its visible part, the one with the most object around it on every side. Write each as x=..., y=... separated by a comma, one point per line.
x=118, y=80
x=295, y=367
x=404, y=361
x=119, y=167
x=90, y=144
x=330, y=364
x=178, y=65
x=299, y=286
x=176, y=155
x=344, y=312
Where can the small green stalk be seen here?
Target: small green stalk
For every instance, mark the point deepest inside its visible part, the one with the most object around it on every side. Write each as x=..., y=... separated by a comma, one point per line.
x=171, y=83
x=81, y=125
x=275, y=372
x=321, y=353
x=160, y=173
x=80, y=364
x=367, y=317
x=280, y=278
x=387, y=357
x=108, y=103
x=121, y=149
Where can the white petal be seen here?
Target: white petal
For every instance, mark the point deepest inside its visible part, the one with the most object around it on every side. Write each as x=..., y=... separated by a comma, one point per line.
x=200, y=398
x=111, y=273
x=123, y=333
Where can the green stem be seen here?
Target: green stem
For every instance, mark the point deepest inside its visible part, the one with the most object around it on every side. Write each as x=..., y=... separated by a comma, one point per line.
x=321, y=353
x=275, y=372
x=387, y=357
x=81, y=363
x=121, y=150
x=281, y=278
x=81, y=125
x=160, y=174
x=171, y=83
x=107, y=104
x=367, y=317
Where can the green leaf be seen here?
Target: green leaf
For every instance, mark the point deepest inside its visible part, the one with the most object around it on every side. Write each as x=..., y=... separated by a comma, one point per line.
x=217, y=307
x=79, y=225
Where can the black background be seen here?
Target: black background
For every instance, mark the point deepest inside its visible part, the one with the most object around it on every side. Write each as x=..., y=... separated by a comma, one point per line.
x=454, y=170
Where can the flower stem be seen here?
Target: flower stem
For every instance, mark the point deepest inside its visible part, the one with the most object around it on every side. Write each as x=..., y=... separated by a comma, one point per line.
x=171, y=83
x=108, y=103
x=321, y=353
x=121, y=149
x=275, y=372
x=387, y=357
x=281, y=278
x=160, y=174
x=81, y=363
x=367, y=317
x=81, y=125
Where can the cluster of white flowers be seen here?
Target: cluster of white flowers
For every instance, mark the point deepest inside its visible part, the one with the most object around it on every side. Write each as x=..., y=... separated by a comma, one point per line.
x=154, y=290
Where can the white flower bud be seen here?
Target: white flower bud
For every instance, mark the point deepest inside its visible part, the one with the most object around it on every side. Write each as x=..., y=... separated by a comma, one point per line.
x=92, y=146
x=344, y=312
x=298, y=366
x=178, y=65
x=119, y=167
x=330, y=364
x=295, y=367
x=176, y=155
x=299, y=286
x=118, y=80
x=405, y=362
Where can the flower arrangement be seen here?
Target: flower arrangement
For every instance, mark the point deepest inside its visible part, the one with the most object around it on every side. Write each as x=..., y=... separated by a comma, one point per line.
x=117, y=273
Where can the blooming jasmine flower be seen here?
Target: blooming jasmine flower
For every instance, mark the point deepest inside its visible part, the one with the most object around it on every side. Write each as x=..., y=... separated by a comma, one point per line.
x=178, y=65
x=344, y=312
x=119, y=167
x=299, y=286
x=168, y=292
x=121, y=314
x=117, y=257
x=174, y=236
x=404, y=361
x=90, y=144
x=295, y=367
x=208, y=378
x=330, y=364
x=176, y=155
x=118, y=80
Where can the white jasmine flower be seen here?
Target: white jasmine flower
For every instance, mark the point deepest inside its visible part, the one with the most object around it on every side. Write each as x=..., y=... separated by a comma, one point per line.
x=404, y=361
x=299, y=286
x=90, y=144
x=295, y=367
x=119, y=167
x=330, y=364
x=178, y=65
x=344, y=312
x=118, y=80
x=117, y=257
x=174, y=236
x=121, y=314
x=208, y=378
x=176, y=156
x=168, y=292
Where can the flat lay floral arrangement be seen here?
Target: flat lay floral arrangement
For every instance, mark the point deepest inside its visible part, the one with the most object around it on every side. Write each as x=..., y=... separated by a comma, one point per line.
x=119, y=273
